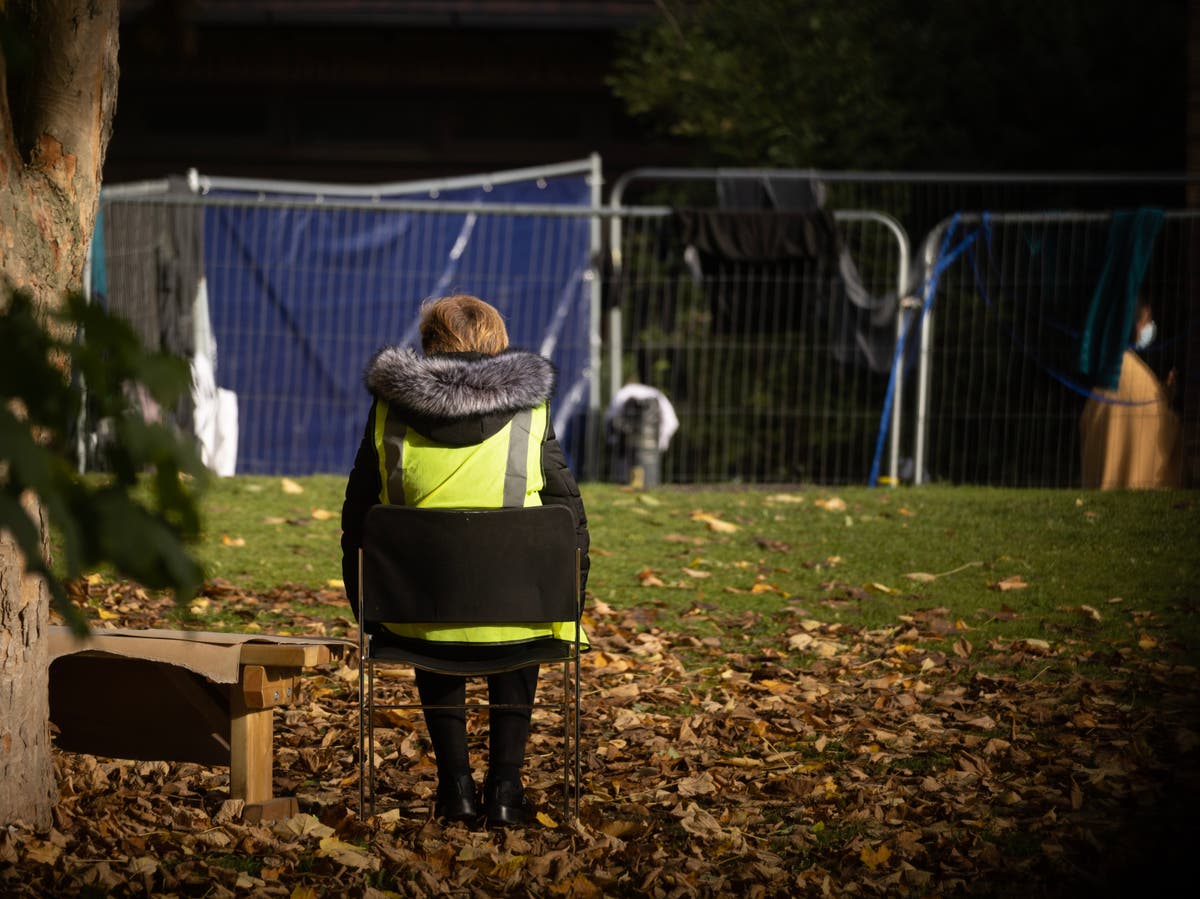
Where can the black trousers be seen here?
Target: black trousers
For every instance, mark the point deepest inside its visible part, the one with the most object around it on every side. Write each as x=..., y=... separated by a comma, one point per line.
x=508, y=729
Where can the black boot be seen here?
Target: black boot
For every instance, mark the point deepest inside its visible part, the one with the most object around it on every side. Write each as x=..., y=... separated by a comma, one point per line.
x=456, y=799
x=504, y=802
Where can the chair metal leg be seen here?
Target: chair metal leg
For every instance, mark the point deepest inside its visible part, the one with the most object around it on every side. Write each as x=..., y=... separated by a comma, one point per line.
x=371, y=731
x=566, y=738
x=578, y=767
x=362, y=731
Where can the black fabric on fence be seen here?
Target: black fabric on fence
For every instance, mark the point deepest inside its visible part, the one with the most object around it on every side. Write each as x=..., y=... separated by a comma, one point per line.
x=769, y=271
x=754, y=236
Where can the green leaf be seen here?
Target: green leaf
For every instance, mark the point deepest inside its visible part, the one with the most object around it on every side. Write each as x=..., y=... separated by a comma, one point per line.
x=143, y=516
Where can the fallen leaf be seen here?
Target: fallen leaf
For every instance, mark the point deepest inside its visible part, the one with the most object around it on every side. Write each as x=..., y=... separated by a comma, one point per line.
x=230, y=810
x=833, y=504
x=764, y=587
x=925, y=577
x=697, y=785
x=43, y=852
x=647, y=578
x=1009, y=583
x=303, y=825
x=546, y=821
x=714, y=523
x=143, y=865
x=692, y=572
x=290, y=486
x=226, y=540
x=741, y=761
x=323, y=514
x=875, y=857
x=346, y=854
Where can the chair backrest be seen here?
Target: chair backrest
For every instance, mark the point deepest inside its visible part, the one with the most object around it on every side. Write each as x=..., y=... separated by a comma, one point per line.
x=469, y=565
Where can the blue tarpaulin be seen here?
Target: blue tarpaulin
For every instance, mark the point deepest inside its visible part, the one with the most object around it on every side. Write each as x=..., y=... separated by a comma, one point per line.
x=302, y=295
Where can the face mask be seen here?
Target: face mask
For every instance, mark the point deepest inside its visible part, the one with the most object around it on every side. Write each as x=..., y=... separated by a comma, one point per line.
x=1145, y=335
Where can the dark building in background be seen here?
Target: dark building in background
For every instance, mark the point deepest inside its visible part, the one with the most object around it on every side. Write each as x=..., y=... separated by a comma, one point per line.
x=370, y=91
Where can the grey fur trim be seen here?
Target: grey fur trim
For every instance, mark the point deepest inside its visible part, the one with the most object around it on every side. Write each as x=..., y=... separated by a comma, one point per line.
x=454, y=386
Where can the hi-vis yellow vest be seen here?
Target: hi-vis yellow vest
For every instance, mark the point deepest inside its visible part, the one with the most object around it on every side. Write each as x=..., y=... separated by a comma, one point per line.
x=505, y=470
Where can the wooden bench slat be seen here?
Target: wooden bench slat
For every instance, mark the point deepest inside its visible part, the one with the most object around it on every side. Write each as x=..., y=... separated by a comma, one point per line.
x=284, y=655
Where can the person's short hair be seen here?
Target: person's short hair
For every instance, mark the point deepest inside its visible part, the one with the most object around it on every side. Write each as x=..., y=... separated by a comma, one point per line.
x=462, y=324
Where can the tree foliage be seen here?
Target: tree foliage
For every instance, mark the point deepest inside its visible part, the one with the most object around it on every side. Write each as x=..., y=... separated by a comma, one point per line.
x=137, y=517
x=915, y=83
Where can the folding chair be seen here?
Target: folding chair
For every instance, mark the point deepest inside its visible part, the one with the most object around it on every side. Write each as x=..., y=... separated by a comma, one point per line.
x=459, y=566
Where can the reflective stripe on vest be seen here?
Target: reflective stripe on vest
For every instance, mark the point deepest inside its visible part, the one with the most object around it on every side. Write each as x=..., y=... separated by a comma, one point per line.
x=516, y=468
x=389, y=447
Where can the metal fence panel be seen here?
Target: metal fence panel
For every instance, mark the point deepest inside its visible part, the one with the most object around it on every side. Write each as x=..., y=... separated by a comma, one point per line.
x=775, y=375
x=1000, y=394
x=774, y=372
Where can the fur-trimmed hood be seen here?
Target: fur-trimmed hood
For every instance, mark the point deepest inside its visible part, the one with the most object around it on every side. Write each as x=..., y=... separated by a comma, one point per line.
x=456, y=386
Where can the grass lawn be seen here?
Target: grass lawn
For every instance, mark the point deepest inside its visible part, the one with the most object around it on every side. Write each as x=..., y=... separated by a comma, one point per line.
x=996, y=563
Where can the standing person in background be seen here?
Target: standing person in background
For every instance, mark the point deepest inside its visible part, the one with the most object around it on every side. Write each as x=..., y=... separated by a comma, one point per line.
x=1131, y=437
x=466, y=425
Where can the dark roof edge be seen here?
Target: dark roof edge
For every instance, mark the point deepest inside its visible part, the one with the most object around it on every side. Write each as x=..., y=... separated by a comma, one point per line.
x=481, y=14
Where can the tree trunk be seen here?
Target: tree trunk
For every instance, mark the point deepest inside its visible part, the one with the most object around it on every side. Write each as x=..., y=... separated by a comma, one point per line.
x=1191, y=397
x=57, y=99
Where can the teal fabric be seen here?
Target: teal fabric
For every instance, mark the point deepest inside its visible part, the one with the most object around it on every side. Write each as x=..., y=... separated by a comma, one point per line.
x=1110, y=315
x=99, y=283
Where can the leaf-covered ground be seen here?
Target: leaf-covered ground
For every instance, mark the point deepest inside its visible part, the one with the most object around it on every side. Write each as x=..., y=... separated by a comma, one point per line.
x=823, y=760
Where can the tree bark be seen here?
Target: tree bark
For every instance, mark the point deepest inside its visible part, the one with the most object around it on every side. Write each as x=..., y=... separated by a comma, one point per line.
x=57, y=100
x=1191, y=397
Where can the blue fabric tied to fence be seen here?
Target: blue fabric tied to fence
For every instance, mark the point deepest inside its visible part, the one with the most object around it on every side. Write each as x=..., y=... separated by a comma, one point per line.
x=1110, y=315
x=301, y=298
x=948, y=252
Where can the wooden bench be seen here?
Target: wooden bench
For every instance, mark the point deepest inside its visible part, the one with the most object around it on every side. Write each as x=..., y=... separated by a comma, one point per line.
x=190, y=696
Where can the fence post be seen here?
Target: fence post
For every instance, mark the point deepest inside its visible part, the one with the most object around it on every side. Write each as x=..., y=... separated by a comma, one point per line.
x=924, y=318
x=902, y=248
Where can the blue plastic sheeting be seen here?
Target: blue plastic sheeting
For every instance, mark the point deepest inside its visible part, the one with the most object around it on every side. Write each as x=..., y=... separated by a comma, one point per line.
x=301, y=298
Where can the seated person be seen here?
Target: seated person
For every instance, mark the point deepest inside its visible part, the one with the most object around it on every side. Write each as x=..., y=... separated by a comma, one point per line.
x=439, y=436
